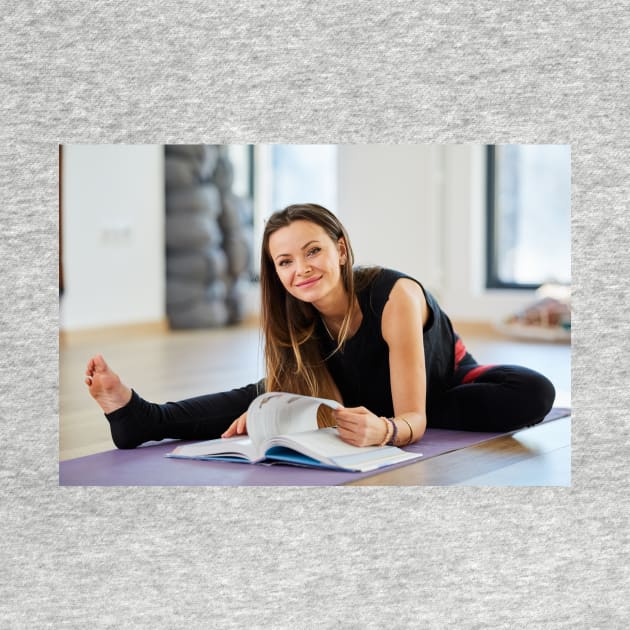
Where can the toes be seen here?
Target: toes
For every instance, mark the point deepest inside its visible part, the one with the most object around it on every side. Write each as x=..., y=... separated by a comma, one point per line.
x=99, y=363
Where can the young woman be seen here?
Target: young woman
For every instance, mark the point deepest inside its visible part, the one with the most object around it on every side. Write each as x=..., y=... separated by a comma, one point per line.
x=373, y=339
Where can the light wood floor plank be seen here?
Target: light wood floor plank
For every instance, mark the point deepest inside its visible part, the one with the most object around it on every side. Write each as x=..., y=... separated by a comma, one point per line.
x=490, y=460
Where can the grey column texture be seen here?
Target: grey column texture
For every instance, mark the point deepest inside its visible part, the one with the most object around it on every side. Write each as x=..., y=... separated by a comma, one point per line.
x=208, y=238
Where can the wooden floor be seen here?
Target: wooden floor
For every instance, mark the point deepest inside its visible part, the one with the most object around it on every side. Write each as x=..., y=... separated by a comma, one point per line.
x=163, y=365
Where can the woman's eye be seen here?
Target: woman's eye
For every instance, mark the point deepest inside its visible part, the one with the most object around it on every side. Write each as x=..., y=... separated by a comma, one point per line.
x=315, y=250
x=284, y=263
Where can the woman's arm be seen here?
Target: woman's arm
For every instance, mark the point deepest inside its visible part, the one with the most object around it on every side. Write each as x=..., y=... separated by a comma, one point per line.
x=404, y=315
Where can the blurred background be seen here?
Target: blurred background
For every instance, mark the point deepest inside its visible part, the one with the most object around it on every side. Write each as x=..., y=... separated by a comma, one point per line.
x=153, y=233
x=159, y=246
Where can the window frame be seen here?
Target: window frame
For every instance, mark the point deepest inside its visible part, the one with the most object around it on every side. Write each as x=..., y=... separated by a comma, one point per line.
x=493, y=281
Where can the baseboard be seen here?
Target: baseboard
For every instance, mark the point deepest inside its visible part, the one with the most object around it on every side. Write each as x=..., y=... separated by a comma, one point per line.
x=111, y=333
x=116, y=333
x=476, y=329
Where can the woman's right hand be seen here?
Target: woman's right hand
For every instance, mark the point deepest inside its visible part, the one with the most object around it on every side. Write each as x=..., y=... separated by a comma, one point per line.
x=238, y=427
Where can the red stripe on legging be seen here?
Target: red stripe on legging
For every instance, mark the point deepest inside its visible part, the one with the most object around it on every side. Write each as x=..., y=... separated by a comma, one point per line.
x=475, y=372
x=460, y=352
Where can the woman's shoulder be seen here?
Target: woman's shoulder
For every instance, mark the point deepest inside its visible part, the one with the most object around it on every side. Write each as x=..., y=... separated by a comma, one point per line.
x=378, y=279
x=375, y=285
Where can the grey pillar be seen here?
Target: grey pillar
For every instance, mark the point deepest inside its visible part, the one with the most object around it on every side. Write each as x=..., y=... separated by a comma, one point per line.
x=208, y=238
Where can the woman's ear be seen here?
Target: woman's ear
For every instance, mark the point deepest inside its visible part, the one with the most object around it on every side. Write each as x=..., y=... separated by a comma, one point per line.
x=343, y=250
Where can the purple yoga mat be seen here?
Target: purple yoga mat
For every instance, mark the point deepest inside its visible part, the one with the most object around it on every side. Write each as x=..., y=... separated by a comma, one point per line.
x=147, y=466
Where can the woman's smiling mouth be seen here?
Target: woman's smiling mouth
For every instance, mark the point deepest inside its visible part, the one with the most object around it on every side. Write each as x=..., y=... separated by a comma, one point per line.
x=308, y=283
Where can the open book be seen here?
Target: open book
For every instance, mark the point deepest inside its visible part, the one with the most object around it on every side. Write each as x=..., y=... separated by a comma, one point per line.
x=282, y=427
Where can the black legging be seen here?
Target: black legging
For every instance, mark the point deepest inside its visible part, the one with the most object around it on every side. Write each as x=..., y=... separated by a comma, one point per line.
x=200, y=418
x=502, y=398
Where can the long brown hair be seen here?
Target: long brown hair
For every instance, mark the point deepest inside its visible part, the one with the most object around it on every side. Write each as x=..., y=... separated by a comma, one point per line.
x=292, y=356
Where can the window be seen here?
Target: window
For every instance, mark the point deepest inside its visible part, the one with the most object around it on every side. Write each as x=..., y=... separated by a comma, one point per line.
x=303, y=173
x=285, y=174
x=529, y=215
x=242, y=158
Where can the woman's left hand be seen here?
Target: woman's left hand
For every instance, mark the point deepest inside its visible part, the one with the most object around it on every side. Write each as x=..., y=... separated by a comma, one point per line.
x=359, y=426
x=238, y=427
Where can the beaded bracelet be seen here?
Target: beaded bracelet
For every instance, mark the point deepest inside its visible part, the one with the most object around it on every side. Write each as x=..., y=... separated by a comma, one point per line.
x=392, y=442
x=386, y=438
x=410, y=432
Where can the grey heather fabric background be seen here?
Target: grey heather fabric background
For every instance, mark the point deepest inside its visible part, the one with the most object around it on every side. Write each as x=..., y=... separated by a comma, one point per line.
x=329, y=72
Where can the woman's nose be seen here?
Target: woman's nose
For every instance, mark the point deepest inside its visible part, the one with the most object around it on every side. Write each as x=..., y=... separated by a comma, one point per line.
x=303, y=266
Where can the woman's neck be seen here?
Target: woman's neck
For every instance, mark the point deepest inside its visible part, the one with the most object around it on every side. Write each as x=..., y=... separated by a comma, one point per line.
x=333, y=318
x=334, y=306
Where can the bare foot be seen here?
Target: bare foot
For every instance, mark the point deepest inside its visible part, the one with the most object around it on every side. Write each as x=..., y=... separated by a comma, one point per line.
x=105, y=386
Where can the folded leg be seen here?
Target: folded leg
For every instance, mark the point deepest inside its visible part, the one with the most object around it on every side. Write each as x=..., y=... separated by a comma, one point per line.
x=496, y=398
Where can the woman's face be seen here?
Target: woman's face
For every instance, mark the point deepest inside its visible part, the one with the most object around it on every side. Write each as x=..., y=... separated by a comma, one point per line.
x=308, y=262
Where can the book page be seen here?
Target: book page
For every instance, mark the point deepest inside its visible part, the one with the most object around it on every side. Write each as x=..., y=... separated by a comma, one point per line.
x=240, y=446
x=279, y=413
x=326, y=446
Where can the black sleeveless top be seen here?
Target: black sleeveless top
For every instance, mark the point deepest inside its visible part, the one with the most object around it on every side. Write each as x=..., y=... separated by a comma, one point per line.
x=361, y=369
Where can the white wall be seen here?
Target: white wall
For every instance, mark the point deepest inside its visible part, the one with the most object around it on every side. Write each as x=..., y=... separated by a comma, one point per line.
x=421, y=209
x=113, y=235
x=387, y=201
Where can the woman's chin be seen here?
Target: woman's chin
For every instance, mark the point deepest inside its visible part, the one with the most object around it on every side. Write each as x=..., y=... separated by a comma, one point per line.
x=308, y=296
x=303, y=296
